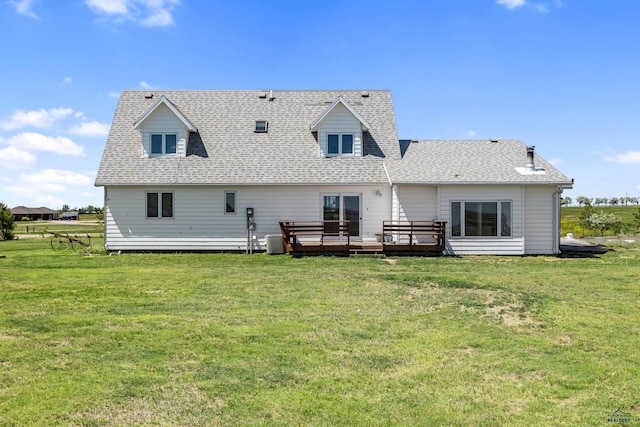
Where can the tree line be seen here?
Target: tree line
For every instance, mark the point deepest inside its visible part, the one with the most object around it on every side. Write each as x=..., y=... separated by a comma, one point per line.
x=601, y=201
x=90, y=209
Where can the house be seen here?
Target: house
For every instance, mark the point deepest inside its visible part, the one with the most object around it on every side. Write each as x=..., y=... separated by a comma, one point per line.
x=181, y=168
x=33, y=214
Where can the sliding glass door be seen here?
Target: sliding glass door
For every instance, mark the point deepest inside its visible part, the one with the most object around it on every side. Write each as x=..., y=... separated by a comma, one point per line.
x=343, y=207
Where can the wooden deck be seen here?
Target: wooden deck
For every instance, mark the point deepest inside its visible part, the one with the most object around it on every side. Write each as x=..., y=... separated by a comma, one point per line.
x=302, y=238
x=416, y=238
x=413, y=237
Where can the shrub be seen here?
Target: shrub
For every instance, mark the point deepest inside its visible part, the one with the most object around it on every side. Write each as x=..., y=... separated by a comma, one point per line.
x=604, y=221
x=6, y=222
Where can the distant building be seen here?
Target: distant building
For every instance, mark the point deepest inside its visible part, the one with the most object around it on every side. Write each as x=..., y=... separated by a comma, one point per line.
x=68, y=216
x=33, y=214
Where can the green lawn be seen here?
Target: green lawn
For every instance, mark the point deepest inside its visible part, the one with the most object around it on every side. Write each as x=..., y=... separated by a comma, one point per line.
x=210, y=339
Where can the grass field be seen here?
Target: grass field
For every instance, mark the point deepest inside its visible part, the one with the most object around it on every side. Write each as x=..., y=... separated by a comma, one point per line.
x=570, y=222
x=85, y=225
x=211, y=339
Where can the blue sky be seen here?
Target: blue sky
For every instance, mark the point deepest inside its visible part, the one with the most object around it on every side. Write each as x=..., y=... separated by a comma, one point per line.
x=561, y=75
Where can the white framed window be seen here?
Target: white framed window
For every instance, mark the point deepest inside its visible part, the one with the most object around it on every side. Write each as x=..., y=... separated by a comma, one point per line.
x=481, y=218
x=262, y=126
x=159, y=204
x=162, y=143
x=229, y=202
x=339, y=144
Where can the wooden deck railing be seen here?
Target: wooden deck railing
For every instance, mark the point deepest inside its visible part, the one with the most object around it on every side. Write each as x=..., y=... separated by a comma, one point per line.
x=413, y=236
x=332, y=238
x=316, y=237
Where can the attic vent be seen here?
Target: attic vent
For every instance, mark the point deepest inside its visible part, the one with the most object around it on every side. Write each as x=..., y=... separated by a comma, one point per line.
x=493, y=140
x=414, y=141
x=261, y=126
x=262, y=95
x=148, y=95
x=364, y=93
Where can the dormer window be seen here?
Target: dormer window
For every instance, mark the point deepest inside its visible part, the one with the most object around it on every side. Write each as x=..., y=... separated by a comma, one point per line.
x=261, y=126
x=338, y=144
x=163, y=144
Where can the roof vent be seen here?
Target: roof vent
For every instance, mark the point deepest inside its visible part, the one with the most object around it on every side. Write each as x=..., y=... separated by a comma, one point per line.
x=148, y=95
x=271, y=97
x=364, y=94
x=530, y=168
x=414, y=141
x=530, y=164
x=262, y=95
x=493, y=140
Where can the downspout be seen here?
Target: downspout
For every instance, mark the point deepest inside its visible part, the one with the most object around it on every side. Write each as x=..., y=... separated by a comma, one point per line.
x=104, y=219
x=556, y=219
x=390, y=188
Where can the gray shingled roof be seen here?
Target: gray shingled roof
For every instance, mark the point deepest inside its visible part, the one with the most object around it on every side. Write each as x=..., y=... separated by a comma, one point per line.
x=469, y=162
x=226, y=149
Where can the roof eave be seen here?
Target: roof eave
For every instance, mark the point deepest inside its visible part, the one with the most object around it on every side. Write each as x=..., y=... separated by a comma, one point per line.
x=174, y=110
x=340, y=100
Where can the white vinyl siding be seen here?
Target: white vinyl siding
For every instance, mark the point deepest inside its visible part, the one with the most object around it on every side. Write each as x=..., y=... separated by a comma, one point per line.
x=163, y=122
x=539, y=220
x=200, y=223
x=340, y=121
x=416, y=202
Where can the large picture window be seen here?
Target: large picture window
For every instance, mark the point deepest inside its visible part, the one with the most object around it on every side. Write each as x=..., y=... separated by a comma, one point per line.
x=163, y=144
x=159, y=205
x=339, y=144
x=481, y=219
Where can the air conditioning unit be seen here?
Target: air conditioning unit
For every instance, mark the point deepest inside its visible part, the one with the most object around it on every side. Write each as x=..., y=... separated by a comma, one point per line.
x=274, y=244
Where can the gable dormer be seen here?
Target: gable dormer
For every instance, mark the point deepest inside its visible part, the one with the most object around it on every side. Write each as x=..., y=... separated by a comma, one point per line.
x=164, y=130
x=340, y=129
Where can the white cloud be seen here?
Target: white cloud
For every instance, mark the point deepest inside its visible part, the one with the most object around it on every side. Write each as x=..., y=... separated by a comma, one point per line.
x=472, y=133
x=115, y=95
x=555, y=161
x=41, y=118
x=49, y=186
x=145, y=85
x=32, y=196
x=24, y=7
x=511, y=4
x=630, y=157
x=542, y=8
x=14, y=158
x=149, y=13
x=53, y=188
x=33, y=141
x=55, y=181
x=109, y=7
x=94, y=128
x=159, y=18
x=67, y=81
